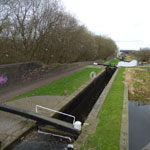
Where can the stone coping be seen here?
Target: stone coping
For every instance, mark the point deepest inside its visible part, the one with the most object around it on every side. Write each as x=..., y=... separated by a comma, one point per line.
x=124, y=143
x=70, y=98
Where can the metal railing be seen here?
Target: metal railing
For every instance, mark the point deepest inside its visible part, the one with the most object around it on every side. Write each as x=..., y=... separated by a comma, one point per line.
x=57, y=135
x=39, y=106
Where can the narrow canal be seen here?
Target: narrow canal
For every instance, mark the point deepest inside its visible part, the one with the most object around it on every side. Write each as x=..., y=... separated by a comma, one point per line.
x=139, y=126
x=83, y=103
x=80, y=107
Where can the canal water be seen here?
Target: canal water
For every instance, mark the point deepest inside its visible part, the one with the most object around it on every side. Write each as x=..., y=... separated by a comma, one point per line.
x=38, y=141
x=139, y=125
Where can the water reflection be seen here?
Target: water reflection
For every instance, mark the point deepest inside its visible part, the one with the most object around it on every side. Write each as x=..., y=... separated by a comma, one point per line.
x=128, y=64
x=139, y=125
x=38, y=141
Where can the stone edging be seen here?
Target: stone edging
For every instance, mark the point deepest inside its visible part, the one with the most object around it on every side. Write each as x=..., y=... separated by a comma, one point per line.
x=77, y=92
x=89, y=126
x=124, y=125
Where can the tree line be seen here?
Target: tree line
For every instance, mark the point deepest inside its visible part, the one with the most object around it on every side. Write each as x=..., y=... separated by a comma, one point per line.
x=143, y=55
x=41, y=30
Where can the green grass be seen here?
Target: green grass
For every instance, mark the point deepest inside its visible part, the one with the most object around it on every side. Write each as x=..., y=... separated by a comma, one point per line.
x=107, y=135
x=57, y=87
x=128, y=58
x=113, y=62
x=147, y=68
x=103, y=62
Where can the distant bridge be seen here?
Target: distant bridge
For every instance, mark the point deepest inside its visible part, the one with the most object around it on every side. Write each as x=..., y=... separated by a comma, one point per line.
x=127, y=51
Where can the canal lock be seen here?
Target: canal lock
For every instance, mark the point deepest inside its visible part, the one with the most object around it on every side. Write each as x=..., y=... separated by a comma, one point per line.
x=79, y=107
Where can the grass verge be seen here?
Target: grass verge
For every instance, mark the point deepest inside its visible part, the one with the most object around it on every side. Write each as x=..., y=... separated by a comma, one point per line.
x=57, y=87
x=107, y=134
x=113, y=62
x=129, y=58
x=138, y=80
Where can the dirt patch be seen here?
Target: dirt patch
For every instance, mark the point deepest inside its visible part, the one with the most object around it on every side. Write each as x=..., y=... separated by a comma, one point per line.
x=128, y=79
x=137, y=80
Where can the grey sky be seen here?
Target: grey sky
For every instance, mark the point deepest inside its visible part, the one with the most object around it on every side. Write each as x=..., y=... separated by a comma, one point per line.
x=125, y=21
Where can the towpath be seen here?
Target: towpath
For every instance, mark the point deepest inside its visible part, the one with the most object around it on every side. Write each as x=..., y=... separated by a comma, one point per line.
x=24, y=88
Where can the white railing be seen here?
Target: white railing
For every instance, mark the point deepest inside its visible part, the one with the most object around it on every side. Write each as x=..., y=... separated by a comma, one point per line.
x=38, y=106
x=61, y=136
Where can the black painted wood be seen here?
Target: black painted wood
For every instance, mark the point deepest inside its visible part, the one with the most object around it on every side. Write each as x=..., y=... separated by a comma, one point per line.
x=65, y=126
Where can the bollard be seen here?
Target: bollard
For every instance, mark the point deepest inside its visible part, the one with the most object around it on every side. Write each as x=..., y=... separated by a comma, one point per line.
x=69, y=147
x=77, y=125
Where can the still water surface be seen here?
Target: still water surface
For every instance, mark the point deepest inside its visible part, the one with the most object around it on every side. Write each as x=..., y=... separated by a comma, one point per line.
x=139, y=125
x=38, y=141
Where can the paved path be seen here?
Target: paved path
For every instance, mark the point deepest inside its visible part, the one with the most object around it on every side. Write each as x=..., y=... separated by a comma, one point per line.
x=29, y=103
x=12, y=127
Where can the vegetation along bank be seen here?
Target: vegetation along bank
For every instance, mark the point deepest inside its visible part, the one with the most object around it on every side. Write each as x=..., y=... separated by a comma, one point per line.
x=69, y=83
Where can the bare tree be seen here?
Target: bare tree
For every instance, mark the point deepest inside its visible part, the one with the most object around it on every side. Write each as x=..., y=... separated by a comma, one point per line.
x=41, y=30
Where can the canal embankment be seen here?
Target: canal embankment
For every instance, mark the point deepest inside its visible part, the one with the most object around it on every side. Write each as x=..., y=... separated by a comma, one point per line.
x=107, y=106
x=109, y=110
x=23, y=77
x=16, y=123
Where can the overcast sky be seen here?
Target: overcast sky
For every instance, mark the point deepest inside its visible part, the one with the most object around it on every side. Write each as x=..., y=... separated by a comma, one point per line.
x=126, y=21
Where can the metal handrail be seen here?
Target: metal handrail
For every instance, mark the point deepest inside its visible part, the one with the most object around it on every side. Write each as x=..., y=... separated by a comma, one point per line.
x=39, y=106
x=57, y=135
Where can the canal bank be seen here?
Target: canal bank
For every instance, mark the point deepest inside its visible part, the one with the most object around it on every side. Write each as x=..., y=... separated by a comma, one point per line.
x=15, y=123
x=84, y=87
x=106, y=134
x=89, y=127
x=124, y=134
x=137, y=79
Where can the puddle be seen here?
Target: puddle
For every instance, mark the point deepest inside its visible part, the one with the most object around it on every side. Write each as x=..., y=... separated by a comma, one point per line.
x=139, y=125
x=128, y=64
